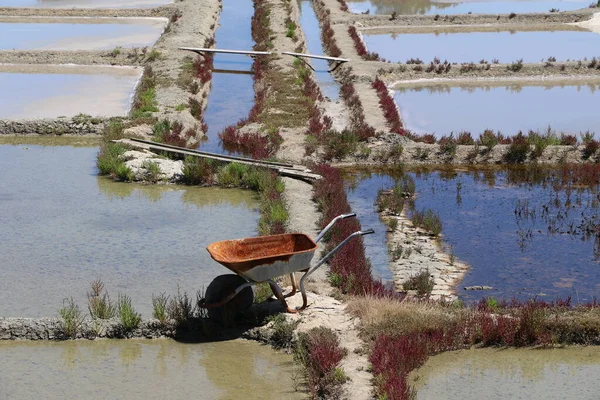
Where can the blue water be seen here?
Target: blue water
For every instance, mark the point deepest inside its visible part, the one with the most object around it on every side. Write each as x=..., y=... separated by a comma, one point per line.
x=362, y=194
x=50, y=36
x=482, y=7
x=477, y=210
x=232, y=94
x=310, y=25
x=443, y=109
x=505, y=46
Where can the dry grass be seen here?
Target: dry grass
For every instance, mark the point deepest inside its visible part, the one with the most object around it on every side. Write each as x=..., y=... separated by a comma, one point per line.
x=390, y=316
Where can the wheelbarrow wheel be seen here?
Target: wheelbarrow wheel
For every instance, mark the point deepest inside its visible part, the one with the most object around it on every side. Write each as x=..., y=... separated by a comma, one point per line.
x=221, y=287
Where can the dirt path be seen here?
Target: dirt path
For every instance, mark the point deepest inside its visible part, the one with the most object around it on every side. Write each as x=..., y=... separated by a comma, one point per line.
x=323, y=309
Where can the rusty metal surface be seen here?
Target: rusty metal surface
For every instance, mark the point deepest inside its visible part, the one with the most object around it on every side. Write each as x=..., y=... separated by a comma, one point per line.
x=243, y=255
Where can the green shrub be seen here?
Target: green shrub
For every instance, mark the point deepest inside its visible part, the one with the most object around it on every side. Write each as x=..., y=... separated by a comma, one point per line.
x=518, y=150
x=422, y=282
x=232, y=174
x=109, y=159
x=159, y=307
x=428, y=220
x=198, y=171
x=99, y=303
x=127, y=315
x=114, y=130
x=180, y=309
x=153, y=172
x=72, y=319
x=283, y=331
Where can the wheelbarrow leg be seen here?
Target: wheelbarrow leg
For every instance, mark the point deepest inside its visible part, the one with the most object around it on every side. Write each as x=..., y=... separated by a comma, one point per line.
x=278, y=293
x=294, y=286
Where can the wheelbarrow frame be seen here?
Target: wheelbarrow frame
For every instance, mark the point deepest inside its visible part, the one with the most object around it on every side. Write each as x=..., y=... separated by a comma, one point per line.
x=275, y=288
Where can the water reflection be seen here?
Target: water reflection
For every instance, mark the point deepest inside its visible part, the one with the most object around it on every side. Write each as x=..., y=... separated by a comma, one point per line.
x=410, y=7
x=442, y=109
x=232, y=94
x=510, y=373
x=504, y=46
x=144, y=369
x=524, y=231
x=63, y=227
x=94, y=34
x=310, y=26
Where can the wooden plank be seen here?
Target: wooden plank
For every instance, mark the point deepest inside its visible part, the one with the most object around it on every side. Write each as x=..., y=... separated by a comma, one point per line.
x=336, y=59
x=290, y=170
x=244, y=52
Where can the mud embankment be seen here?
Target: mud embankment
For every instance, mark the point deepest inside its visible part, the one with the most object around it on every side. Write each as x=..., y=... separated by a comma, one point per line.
x=54, y=126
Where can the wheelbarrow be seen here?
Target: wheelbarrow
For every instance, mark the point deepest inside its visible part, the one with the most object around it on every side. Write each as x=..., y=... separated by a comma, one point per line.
x=260, y=260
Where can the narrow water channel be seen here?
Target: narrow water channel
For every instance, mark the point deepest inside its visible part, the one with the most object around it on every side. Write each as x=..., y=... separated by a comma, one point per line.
x=144, y=369
x=63, y=226
x=361, y=190
x=310, y=26
x=232, y=93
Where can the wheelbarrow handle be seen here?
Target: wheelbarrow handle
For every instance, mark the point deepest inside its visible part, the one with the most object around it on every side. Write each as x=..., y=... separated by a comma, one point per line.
x=330, y=225
x=331, y=253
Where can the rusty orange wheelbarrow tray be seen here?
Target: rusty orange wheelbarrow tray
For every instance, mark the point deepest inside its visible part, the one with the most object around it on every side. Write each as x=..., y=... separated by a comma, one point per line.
x=262, y=259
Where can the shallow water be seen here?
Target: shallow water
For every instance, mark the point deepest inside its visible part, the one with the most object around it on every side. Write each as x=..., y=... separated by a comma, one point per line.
x=93, y=34
x=477, y=210
x=362, y=194
x=232, y=94
x=387, y=7
x=84, y=3
x=63, y=226
x=441, y=109
x=65, y=91
x=310, y=26
x=570, y=373
x=144, y=369
x=505, y=46
x=478, y=214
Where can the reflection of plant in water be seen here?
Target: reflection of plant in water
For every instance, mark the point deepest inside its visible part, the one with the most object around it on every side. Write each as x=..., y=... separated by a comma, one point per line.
x=570, y=205
x=525, y=236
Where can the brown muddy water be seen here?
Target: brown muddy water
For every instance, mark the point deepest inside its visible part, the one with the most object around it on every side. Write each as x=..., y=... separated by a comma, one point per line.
x=84, y=3
x=442, y=7
x=502, y=45
x=144, y=369
x=63, y=226
x=79, y=33
x=534, y=105
x=51, y=91
x=551, y=374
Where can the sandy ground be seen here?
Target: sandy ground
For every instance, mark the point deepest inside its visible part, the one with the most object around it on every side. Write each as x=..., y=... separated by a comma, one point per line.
x=422, y=251
x=593, y=24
